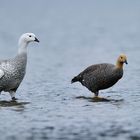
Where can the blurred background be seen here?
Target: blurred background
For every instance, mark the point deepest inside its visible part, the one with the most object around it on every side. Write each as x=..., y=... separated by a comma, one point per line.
x=73, y=34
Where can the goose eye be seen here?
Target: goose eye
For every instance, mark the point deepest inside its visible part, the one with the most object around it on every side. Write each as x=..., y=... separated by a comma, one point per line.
x=30, y=36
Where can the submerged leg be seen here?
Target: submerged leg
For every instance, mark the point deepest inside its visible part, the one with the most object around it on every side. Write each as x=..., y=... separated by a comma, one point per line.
x=12, y=93
x=96, y=94
x=96, y=98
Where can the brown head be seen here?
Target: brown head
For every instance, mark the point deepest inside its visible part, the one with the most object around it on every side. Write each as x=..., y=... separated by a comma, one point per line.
x=121, y=60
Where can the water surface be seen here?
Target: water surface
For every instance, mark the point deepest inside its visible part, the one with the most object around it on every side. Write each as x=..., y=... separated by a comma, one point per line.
x=73, y=35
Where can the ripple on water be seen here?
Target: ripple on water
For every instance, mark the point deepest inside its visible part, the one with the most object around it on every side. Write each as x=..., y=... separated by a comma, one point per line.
x=72, y=37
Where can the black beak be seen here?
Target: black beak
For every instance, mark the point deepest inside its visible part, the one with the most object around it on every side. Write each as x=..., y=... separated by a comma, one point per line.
x=125, y=62
x=36, y=40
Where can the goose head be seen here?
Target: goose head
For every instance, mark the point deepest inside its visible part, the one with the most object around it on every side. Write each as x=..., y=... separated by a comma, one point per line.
x=28, y=37
x=121, y=60
x=24, y=40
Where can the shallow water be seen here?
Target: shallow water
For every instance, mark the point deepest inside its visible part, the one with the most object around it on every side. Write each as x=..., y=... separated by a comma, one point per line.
x=73, y=35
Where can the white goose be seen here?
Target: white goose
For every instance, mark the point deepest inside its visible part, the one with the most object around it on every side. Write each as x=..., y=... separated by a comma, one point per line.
x=12, y=71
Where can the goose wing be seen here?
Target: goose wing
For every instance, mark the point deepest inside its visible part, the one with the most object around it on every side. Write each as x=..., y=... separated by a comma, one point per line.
x=98, y=76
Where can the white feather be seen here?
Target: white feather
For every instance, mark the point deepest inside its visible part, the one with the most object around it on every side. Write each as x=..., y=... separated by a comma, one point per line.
x=1, y=73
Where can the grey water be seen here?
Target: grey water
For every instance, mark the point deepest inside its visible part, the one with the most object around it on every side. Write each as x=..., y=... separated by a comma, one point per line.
x=73, y=35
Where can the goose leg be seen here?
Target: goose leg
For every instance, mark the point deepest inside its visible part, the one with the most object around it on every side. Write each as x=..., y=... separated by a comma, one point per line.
x=96, y=97
x=96, y=94
x=12, y=93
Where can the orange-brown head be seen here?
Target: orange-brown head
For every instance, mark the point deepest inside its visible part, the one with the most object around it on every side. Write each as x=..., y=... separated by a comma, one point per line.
x=121, y=60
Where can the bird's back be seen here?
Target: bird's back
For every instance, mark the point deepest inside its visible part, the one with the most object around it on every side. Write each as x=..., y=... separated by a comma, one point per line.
x=100, y=76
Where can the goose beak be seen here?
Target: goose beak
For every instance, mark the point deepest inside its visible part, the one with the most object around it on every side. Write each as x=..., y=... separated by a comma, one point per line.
x=125, y=62
x=36, y=40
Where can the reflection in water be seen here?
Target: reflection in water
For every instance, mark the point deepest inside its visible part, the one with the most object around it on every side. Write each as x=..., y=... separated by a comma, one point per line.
x=19, y=106
x=73, y=36
x=93, y=99
x=135, y=138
